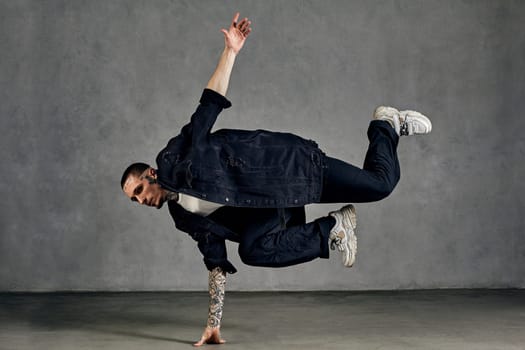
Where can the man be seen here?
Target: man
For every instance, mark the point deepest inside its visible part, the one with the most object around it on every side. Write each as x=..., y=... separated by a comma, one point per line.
x=251, y=186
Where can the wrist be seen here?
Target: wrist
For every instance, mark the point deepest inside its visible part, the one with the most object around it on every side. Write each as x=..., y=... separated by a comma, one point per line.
x=230, y=51
x=213, y=324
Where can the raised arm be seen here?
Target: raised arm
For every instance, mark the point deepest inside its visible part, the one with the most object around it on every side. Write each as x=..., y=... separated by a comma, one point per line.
x=234, y=39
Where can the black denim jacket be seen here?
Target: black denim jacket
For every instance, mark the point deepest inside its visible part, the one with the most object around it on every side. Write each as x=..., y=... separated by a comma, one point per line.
x=237, y=168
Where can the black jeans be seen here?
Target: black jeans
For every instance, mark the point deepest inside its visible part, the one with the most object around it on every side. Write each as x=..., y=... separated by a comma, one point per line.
x=296, y=241
x=345, y=183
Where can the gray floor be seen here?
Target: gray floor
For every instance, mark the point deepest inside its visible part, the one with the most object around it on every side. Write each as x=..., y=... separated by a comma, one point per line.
x=453, y=319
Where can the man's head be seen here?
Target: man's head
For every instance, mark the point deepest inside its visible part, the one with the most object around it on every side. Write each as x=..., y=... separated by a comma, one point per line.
x=139, y=183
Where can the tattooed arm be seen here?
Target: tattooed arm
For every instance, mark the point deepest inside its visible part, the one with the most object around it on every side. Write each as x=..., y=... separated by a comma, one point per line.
x=216, y=287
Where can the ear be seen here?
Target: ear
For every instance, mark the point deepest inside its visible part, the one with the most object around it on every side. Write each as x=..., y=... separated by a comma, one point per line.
x=153, y=173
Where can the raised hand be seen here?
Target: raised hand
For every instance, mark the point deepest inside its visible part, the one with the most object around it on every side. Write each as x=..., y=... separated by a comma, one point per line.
x=236, y=35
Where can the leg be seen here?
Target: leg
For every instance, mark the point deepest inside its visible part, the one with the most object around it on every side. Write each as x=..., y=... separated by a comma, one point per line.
x=345, y=183
x=290, y=242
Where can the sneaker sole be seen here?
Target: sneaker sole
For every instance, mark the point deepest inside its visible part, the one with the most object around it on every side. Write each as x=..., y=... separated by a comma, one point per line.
x=384, y=112
x=350, y=224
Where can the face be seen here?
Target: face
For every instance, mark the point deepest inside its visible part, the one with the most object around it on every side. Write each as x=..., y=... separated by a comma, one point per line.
x=145, y=190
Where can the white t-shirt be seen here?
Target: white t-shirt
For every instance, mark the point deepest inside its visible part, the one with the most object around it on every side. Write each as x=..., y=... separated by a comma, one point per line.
x=196, y=205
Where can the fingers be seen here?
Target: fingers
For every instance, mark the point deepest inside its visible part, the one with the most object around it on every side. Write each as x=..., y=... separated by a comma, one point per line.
x=205, y=336
x=216, y=338
x=213, y=340
x=243, y=25
x=210, y=336
x=247, y=32
x=235, y=19
x=202, y=341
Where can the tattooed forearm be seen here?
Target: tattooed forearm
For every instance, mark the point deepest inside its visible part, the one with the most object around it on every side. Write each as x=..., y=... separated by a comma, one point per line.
x=216, y=285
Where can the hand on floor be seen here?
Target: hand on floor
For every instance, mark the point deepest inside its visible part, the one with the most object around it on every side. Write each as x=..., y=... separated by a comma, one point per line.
x=210, y=336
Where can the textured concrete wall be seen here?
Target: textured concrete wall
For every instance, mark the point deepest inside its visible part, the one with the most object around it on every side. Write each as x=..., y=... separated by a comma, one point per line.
x=88, y=86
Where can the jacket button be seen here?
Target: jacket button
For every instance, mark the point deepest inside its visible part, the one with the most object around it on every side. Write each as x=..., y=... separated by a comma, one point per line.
x=295, y=201
x=227, y=199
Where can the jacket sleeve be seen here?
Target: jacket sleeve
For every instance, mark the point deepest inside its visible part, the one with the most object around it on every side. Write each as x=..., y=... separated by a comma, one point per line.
x=213, y=248
x=211, y=245
x=211, y=104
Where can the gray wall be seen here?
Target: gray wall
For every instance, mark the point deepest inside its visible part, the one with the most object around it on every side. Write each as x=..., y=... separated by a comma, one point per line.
x=90, y=86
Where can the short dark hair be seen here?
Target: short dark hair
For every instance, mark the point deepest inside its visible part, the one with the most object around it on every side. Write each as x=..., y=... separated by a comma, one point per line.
x=135, y=169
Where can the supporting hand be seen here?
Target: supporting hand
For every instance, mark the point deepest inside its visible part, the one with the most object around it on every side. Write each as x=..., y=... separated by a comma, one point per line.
x=210, y=336
x=236, y=35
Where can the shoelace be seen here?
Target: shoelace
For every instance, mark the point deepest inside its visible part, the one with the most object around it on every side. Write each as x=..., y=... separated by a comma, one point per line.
x=337, y=243
x=404, y=128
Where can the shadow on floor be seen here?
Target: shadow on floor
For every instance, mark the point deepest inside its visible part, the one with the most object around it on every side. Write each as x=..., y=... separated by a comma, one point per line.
x=119, y=314
x=142, y=335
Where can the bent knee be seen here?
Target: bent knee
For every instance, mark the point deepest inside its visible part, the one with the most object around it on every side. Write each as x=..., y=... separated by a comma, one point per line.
x=382, y=191
x=252, y=256
x=246, y=254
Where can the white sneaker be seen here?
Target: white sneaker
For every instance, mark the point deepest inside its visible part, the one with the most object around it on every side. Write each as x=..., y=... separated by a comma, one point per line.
x=405, y=122
x=342, y=235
